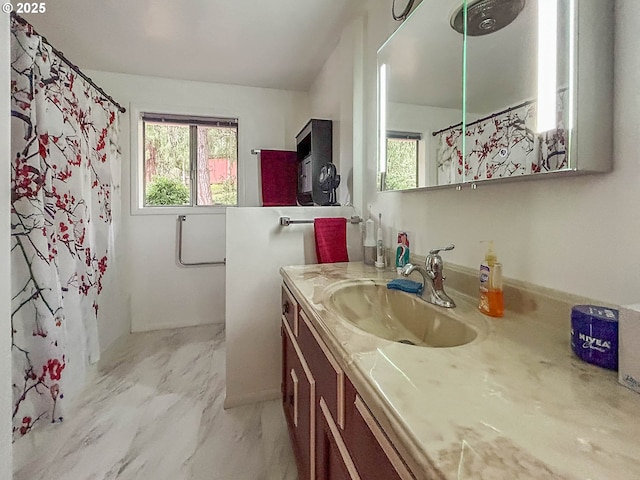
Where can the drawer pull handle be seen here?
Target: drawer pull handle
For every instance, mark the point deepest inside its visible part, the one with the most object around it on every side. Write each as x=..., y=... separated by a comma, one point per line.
x=285, y=308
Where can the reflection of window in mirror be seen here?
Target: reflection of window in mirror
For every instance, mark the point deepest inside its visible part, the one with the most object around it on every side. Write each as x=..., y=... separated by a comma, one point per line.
x=403, y=163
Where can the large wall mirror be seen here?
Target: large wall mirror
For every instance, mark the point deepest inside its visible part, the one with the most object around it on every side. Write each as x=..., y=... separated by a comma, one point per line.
x=474, y=91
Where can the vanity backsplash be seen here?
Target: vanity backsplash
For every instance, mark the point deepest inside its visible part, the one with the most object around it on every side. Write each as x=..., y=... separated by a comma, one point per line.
x=519, y=297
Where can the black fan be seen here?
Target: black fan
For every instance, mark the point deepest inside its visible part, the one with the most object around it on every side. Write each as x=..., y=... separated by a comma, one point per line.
x=329, y=181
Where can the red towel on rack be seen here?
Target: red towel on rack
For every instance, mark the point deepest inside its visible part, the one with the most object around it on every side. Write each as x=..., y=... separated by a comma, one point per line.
x=279, y=172
x=331, y=239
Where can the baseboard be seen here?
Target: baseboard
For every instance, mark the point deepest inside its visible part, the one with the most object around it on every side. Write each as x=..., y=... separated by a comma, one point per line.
x=169, y=326
x=250, y=398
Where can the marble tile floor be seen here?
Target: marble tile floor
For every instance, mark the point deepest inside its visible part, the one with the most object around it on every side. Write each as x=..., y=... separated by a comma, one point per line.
x=153, y=411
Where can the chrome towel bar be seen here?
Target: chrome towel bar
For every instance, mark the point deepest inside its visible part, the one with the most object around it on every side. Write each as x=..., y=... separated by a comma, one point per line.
x=286, y=221
x=181, y=220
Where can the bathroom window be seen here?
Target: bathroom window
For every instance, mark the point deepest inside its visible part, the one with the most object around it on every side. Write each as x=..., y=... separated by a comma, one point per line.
x=189, y=161
x=402, y=160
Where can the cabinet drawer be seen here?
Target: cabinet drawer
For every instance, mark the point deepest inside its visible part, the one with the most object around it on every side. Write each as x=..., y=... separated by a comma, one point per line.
x=373, y=454
x=325, y=370
x=290, y=310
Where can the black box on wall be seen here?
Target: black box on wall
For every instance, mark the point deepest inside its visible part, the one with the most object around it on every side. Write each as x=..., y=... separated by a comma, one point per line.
x=314, y=148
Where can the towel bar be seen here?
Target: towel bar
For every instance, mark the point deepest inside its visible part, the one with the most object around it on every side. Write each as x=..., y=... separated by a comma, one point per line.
x=286, y=221
x=181, y=219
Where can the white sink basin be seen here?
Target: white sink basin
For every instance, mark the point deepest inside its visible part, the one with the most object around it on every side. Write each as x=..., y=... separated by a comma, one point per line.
x=396, y=316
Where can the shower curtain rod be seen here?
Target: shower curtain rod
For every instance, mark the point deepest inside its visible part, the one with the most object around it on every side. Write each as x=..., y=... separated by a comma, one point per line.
x=68, y=62
x=506, y=110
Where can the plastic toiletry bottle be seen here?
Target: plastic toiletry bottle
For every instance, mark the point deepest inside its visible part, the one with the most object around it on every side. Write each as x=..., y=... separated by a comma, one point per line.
x=379, y=244
x=369, y=243
x=491, y=300
x=402, y=251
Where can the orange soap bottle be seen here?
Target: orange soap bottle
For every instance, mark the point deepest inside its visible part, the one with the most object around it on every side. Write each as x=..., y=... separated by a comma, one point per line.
x=491, y=301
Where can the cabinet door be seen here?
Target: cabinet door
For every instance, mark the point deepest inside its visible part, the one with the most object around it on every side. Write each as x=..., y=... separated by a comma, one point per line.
x=373, y=454
x=324, y=368
x=333, y=461
x=298, y=392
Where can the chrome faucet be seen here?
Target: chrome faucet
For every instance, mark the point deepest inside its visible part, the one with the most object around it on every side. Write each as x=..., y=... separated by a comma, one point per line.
x=433, y=290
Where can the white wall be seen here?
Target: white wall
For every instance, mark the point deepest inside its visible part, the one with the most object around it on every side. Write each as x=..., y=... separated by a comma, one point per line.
x=580, y=235
x=257, y=246
x=161, y=293
x=5, y=295
x=332, y=97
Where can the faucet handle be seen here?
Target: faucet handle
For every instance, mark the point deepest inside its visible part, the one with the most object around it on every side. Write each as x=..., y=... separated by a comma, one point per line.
x=436, y=251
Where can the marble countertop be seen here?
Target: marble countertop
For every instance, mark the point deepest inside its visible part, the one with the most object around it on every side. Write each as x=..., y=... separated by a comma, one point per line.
x=513, y=404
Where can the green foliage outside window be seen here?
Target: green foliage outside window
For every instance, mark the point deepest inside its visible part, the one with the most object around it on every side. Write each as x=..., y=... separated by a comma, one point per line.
x=166, y=191
x=223, y=143
x=167, y=150
x=402, y=164
x=225, y=192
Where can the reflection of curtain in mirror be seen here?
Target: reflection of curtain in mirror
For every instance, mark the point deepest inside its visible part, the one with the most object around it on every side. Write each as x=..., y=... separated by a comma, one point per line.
x=504, y=145
x=449, y=157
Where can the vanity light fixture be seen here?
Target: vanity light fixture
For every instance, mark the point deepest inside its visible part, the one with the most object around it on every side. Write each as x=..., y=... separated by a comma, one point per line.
x=547, y=64
x=382, y=122
x=572, y=65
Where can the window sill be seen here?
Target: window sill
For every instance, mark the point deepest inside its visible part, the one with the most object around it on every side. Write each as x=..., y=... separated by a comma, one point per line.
x=213, y=210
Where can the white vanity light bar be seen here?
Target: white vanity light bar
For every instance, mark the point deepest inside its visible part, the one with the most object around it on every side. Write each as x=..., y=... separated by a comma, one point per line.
x=547, y=64
x=572, y=62
x=383, y=119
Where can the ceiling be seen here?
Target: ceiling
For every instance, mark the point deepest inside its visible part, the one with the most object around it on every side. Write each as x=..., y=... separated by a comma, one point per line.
x=424, y=60
x=274, y=44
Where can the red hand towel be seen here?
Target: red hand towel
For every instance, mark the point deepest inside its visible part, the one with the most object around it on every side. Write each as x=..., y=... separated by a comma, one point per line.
x=279, y=172
x=331, y=239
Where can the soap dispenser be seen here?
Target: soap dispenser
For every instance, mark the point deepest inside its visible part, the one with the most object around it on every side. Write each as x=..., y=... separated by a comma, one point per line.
x=491, y=301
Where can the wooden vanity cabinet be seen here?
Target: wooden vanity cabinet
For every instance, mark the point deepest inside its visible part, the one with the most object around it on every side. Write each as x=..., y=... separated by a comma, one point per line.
x=334, y=434
x=371, y=451
x=333, y=460
x=298, y=394
x=290, y=310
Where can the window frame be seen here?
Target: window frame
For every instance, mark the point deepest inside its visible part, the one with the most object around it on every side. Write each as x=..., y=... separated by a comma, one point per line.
x=137, y=174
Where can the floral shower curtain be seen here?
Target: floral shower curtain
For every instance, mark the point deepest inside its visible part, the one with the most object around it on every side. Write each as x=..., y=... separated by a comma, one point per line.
x=64, y=179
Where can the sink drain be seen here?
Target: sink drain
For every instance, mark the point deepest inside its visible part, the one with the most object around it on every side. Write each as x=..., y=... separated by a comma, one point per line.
x=406, y=342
